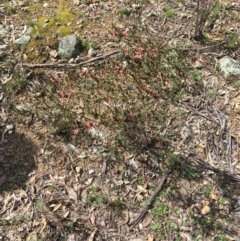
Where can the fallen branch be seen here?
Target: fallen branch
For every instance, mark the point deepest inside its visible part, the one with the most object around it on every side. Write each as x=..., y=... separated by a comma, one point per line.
x=87, y=62
x=144, y=209
x=207, y=166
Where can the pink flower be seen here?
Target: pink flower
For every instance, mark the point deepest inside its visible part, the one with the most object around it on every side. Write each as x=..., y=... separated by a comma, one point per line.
x=89, y=125
x=75, y=132
x=120, y=71
x=61, y=93
x=159, y=75
x=138, y=52
x=125, y=33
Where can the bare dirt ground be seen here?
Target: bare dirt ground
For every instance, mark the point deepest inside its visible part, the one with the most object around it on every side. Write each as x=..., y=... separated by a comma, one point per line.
x=91, y=145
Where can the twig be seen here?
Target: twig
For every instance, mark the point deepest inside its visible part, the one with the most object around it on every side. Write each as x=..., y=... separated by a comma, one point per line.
x=144, y=209
x=229, y=152
x=198, y=160
x=54, y=65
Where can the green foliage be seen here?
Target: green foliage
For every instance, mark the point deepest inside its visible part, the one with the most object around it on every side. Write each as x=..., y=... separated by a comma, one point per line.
x=138, y=181
x=233, y=41
x=124, y=11
x=84, y=43
x=155, y=226
x=174, y=160
x=80, y=15
x=235, y=84
x=94, y=44
x=10, y=10
x=167, y=191
x=221, y=237
x=196, y=75
x=160, y=210
x=216, y=9
x=191, y=173
x=95, y=196
x=39, y=206
x=17, y=84
x=221, y=201
x=207, y=190
x=169, y=13
x=64, y=123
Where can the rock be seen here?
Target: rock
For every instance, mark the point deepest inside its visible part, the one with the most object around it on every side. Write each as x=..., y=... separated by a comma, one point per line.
x=23, y=40
x=3, y=32
x=69, y=47
x=53, y=53
x=91, y=52
x=229, y=66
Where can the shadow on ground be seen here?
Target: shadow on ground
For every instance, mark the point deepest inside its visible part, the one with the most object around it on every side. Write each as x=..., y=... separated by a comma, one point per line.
x=17, y=161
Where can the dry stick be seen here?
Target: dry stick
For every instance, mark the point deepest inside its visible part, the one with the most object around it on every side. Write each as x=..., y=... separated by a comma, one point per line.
x=198, y=160
x=144, y=209
x=229, y=152
x=54, y=65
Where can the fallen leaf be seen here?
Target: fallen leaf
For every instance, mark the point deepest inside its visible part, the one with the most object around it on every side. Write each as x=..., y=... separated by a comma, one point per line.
x=71, y=193
x=78, y=169
x=92, y=218
x=84, y=196
x=150, y=237
x=32, y=179
x=213, y=195
x=147, y=220
x=205, y=210
x=126, y=219
x=44, y=223
x=66, y=214
x=92, y=235
x=56, y=207
x=141, y=189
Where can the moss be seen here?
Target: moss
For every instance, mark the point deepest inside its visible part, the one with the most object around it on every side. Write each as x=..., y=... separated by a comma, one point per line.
x=33, y=6
x=42, y=21
x=51, y=22
x=34, y=51
x=65, y=17
x=64, y=31
x=236, y=84
x=44, y=33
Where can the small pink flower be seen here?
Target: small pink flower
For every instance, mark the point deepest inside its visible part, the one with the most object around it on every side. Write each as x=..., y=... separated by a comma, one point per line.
x=88, y=125
x=95, y=123
x=138, y=52
x=125, y=33
x=75, y=132
x=120, y=71
x=61, y=93
x=159, y=75
x=167, y=84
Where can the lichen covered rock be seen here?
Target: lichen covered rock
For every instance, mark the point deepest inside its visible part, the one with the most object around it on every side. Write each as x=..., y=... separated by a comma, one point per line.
x=69, y=47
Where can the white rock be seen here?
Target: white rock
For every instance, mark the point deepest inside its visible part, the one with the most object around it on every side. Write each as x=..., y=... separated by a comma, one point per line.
x=229, y=66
